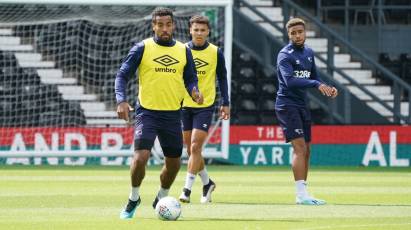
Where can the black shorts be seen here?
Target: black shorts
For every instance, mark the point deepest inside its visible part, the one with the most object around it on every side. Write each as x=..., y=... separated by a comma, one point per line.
x=197, y=118
x=165, y=124
x=295, y=122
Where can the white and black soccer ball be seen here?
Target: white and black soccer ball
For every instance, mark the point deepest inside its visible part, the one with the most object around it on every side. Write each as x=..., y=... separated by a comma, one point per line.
x=168, y=208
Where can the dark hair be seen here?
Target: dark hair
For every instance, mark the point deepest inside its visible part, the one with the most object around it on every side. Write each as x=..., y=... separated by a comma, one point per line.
x=200, y=19
x=294, y=22
x=161, y=11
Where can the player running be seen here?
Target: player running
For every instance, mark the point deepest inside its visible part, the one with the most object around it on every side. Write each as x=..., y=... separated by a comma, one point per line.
x=209, y=60
x=165, y=72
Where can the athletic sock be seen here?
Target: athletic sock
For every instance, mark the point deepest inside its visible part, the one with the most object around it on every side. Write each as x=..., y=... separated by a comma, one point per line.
x=134, y=195
x=190, y=178
x=204, y=176
x=301, y=189
x=162, y=193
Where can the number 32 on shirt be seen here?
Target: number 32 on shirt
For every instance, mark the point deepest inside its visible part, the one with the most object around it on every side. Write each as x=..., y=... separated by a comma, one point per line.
x=302, y=74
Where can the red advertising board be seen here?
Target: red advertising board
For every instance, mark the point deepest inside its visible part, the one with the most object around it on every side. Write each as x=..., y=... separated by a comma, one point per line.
x=330, y=134
x=320, y=134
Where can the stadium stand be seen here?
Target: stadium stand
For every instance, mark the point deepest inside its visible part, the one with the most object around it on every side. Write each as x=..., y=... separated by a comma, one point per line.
x=75, y=50
x=75, y=62
x=265, y=14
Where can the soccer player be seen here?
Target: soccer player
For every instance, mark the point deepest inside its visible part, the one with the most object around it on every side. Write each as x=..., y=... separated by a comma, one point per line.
x=196, y=120
x=166, y=71
x=296, y=72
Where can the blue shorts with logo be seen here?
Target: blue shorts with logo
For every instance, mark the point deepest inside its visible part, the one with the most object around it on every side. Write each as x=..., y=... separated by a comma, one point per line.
x=197, y=118
x=295, y=122
x=165, y=124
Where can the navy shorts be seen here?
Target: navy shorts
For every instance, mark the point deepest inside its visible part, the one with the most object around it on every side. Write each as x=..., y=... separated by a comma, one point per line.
x=295, y=122
x=197, y=118
x=165, y=124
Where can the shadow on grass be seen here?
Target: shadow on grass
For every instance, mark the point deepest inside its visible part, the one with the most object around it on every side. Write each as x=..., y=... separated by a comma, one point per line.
x=328, y=204
x=192, y=219
x=250, y=203
x=242, y=220
x=375, y=205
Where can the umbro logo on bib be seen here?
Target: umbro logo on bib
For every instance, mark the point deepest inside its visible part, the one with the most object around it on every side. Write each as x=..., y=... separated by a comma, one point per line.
x=199, y=63
x=166, y=60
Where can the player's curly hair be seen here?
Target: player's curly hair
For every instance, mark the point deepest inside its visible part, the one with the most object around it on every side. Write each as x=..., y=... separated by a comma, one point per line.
x=201, y=19
x=161, y=11
x=294, y=22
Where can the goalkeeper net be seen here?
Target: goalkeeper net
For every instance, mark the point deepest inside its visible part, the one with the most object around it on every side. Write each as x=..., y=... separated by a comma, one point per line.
x=57, y=68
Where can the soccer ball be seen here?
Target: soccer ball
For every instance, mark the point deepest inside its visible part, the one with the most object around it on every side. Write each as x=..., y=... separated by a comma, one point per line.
x=168, y=208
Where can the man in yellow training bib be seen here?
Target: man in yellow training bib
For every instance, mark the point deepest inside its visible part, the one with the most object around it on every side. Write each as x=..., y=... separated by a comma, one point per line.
x=209, y=60
x=166, y=72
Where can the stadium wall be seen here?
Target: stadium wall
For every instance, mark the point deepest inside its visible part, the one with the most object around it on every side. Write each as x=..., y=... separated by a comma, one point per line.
x=393, y=39
x=385, y=146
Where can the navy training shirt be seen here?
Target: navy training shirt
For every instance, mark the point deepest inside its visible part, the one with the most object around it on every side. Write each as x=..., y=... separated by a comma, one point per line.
x=296, y=72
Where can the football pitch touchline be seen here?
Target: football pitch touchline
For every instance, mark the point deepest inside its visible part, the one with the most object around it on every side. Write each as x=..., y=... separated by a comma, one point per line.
x=218, y=211
x=352, y=226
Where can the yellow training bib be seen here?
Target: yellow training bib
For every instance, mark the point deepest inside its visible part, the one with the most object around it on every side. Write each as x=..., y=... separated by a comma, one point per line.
x=161, y=84
x=206, y=65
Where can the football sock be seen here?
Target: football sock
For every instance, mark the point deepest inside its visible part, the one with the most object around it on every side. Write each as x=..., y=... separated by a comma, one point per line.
x=189, y=180
x=134, y=194
x=300, y=186
x=162, y=192
x=204, y=176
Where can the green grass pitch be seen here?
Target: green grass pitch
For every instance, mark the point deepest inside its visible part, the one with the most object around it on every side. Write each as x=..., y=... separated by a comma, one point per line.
x=245, y=198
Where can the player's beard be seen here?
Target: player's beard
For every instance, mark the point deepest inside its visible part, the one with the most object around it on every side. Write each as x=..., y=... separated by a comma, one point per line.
x=300, y=44
x=165, y=37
